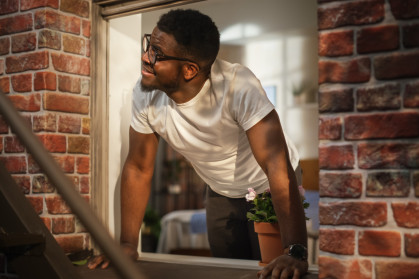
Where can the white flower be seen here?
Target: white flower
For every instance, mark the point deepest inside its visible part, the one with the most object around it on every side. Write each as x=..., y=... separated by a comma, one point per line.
x=252, y=194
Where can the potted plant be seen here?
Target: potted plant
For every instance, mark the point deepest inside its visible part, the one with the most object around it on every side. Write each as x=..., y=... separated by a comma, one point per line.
x=266, y=223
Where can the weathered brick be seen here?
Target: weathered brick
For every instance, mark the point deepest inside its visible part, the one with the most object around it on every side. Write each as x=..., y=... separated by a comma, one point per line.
x=77, y=7
x=385, y=125
x=406, y=214
x=32, y=4
x=386, y=269
x=16, y=24
x=41, y=184
x=23, y=182
x=4, y=128
x=37, y=203
x=69, y=84
x=56, y=205
x=337, y=43
x=49, y=39
x=8, y=7
x=384, y=97
x=378, y=38
x=66, y=103
x=5, y=85
x=14, y=164
x=411, y=95
x=54, y=142
x=83, y=165
x=330, y=128
x=47, y=222
x=1, y=66
x=396, y=65
x=1, y=144
x=66, y=163
x=4, y=46
x=61, y=225
x=379, y=243
x=84, y=185
x=345, y=269
x=336, y=157
x=85, y=87
x=27, y=102
x=350, y=13
x=346, y=71
x=71, y=64
x=410, y=35
x=411, y=244
x=24, y=42
x=353, y=213
x=388, y=155
x=33, y=167
x=403, y=9
x=13, y=145
x=86, y=28
x=74, y=44
x=388, y=184
x=340, y=185
x=330, y=240
x=69, y=124
x=45, y=81
x=54, y=20
x=88, y=48
x=78, y=144
x=22, y=83
x=44, y=122
x=71, y=243
x=85, y=126
x=26, y=62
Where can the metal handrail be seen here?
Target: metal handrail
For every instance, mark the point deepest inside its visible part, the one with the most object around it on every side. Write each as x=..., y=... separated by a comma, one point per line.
x=124, y=265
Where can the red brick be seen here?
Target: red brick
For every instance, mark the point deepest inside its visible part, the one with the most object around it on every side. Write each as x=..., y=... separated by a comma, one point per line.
x=22, y=83
x=44, y=122
x=71, y=243
x=86, y=28
x=74, y=44
x=379, y=243
x=4, y=128
x=45, y=81
x=29, y=102
x=5, y=85
x=336, y=157
x=8, y=7
x=85, y=126
x=23, y=182
x=345, y=269
x=83, y=165
x=71, y=64
x=383, y=97
x=337, y=43
x=88, y=48
x=56, y=205
x=53, y=142
x=13, y=145
x=61, y=225
x=49, y=39
x=69, y=124
x=346, y=71
x=410, y=35
x=340, y=185
x=26, y=62
x=16, y=24
x=37, y=203
x=386, y=125
x=401, y=269
x=32, y=4
x=1, y=144
x=1, y=66
x=353, y=213
x=330, y=240
x=85, y=185
x=4, y=46
x=388, y=155
x=411, y=95
x=78, y=144
x=350, y=13
x=33, y=167
x=41, y=184
x=330, y=128
x=24, y=42
x=396, y=65
x=66, y=163
x=66, y=103
x=85, y=87
x=77, y=7
x=406, y=214
x=405, y=9
x=378, y=38
x=69, y=84
x=47, y=222
x=56, y=21
x=411, y=244
x=388, y=184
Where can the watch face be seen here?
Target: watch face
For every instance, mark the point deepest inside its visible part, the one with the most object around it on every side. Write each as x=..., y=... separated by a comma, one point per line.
x=298, y=251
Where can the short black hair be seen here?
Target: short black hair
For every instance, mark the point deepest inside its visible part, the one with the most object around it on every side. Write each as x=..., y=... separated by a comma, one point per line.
x=195, y=32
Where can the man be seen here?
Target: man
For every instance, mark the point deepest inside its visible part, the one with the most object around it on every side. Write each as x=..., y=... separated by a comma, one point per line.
x=217, y=116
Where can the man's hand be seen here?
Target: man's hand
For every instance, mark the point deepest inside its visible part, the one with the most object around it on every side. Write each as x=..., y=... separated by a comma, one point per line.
x=284, y=267
x=103, y=262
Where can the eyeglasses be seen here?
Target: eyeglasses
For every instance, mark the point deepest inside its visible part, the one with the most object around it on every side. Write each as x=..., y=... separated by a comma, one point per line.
x=155, y=55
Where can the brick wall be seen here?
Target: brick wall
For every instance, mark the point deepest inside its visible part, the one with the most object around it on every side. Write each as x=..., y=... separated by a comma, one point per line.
x=369, y=131
x=45, y=71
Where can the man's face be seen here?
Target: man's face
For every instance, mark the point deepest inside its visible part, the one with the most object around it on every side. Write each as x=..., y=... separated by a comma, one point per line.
x=165, y=75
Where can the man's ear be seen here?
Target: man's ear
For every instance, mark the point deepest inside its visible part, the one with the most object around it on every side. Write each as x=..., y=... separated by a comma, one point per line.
x=190, y=70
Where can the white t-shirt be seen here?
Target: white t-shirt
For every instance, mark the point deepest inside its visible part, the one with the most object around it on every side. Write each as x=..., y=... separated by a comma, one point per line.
x=210, y=129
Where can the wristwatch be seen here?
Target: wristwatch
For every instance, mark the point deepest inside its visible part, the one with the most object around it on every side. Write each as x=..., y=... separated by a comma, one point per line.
x=297, y=251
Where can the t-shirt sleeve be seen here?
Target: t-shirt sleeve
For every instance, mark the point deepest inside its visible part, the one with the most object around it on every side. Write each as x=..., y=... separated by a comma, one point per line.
x=139, y=117
x=250, y=103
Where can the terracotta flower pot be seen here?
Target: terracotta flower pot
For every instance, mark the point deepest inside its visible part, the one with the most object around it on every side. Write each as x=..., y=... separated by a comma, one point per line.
x=269, y=241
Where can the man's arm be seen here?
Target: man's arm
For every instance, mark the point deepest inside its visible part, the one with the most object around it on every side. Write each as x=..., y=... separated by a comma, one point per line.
x=270, y=150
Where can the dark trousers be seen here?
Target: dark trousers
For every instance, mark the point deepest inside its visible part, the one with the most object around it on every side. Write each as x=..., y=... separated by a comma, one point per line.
x=230, y=234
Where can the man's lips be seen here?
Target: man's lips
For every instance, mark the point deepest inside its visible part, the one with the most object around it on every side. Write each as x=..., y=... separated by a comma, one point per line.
x=147, y=70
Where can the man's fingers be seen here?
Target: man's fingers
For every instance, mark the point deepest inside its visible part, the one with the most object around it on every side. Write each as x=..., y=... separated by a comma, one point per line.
x=105, y=264
x=96, y=261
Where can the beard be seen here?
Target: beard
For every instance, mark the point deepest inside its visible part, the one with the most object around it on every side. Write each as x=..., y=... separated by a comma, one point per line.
x=147, y=88
x=167, y=87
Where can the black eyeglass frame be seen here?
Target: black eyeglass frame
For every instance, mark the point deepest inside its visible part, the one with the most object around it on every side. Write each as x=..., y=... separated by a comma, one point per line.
x=159, y=56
